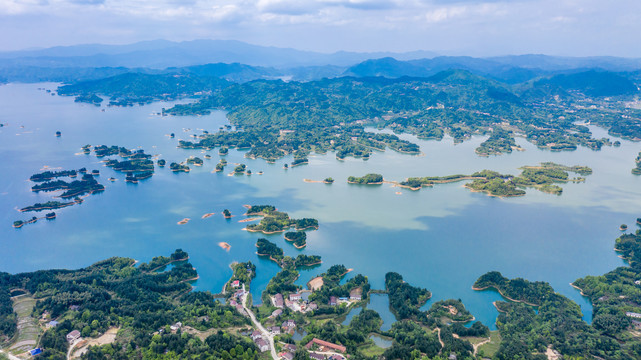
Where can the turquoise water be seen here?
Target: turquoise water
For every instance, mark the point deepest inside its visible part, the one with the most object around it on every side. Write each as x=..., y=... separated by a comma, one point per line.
x=441, y=238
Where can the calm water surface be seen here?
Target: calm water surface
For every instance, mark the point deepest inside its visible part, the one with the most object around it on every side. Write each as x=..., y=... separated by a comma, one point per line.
x=440, y=238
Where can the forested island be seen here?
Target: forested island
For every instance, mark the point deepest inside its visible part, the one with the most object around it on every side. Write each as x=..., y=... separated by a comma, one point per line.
x=275, y=118
x=298, y=238
x=543, y=177
x=369, y=179
x=274, y=221
x=637, y=169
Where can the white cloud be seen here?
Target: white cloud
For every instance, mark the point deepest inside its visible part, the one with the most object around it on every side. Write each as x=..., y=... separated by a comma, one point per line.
x=476, y=27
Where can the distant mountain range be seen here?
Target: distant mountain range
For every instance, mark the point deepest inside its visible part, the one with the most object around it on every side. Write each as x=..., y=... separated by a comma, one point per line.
x=239, y=62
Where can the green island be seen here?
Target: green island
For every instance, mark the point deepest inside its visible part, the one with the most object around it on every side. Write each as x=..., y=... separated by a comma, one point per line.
x=268, y=248
x=240, y=169
x=298, y=238
x=175, y=167
x=49, y=205
x=227, y=214
x=274, y=118
x=369, y=179
x=637, y=169
x=88, y=185
x=274, y=221
x=500, y=141
x=328, y=180
x=543, y=177
x=89, y=99
x=300, y=161
x=194, y=160
x=49, y=175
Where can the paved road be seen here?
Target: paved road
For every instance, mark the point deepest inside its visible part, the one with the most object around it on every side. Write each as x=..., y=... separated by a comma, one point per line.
x=266, y=334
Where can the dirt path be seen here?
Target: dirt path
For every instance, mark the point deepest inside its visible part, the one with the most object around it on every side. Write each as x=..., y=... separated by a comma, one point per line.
x=477, y=346
x=107, y=338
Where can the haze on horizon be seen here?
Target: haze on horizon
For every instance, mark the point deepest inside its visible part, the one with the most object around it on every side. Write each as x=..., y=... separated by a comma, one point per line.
x=448, y=27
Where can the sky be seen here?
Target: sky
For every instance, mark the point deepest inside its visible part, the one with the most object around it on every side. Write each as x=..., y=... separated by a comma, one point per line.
x=448, y=27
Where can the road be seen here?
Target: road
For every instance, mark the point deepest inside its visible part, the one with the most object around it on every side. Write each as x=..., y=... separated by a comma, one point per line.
x=11, y=356
x=266, y=334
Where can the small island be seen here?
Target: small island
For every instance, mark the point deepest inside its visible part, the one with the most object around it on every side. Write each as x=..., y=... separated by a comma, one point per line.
x=49, y=205
x=268, y=248
x=227, y=214
x=193, y=160
x=623, y=227
x=161, y=162
x=175, y=167
x=240, y=169
x=369, y=179
x=224, y=150
x=328, y=180
x=300, y=161
x=637, y=169
x=298, y=238
x=274, y=221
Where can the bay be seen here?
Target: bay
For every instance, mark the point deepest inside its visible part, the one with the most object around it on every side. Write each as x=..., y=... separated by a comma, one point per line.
x=440, y=238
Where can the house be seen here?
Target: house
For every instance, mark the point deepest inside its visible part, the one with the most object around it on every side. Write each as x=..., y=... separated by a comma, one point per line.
x=295, y=297
x=275, y=330
x=312, y=306
x=73, y=336
x=256, y=335
x=35, y=352
x=356, y=294
x=452, y=356
x=316, y=356
x=233, y=302
x=278, y=300
x=333, y=301
x=336, y=357
x=235, y=283
x=176, y=326
x=288, y=356
x=277, y=312
x=52, y=324
x=325, y=344
x=291, y=347
x=262, y=345
x=74, y=307
x=289, y=325
x=633, y=314
x=240, y=309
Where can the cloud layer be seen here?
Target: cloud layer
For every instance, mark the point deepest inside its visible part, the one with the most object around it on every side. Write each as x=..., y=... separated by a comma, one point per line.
x=473, y=27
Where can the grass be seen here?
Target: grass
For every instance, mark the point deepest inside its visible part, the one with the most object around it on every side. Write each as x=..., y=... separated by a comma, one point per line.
x=492, y=347
x=28, y=329
x=371, y=350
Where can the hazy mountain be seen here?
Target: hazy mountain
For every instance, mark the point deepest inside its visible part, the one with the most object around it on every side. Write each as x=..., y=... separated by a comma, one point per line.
x=162, y=54
x=558, y=63
x=389, y=67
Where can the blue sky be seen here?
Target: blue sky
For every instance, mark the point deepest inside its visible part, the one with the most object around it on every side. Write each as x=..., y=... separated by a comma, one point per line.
x=456, y=27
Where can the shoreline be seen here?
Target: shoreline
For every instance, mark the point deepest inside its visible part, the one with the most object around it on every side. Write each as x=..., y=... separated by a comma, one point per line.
x=503, y=295
x=167, y=264
x=578, y=288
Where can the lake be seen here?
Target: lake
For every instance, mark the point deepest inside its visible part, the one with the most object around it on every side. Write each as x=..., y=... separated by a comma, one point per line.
x=441, y=238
